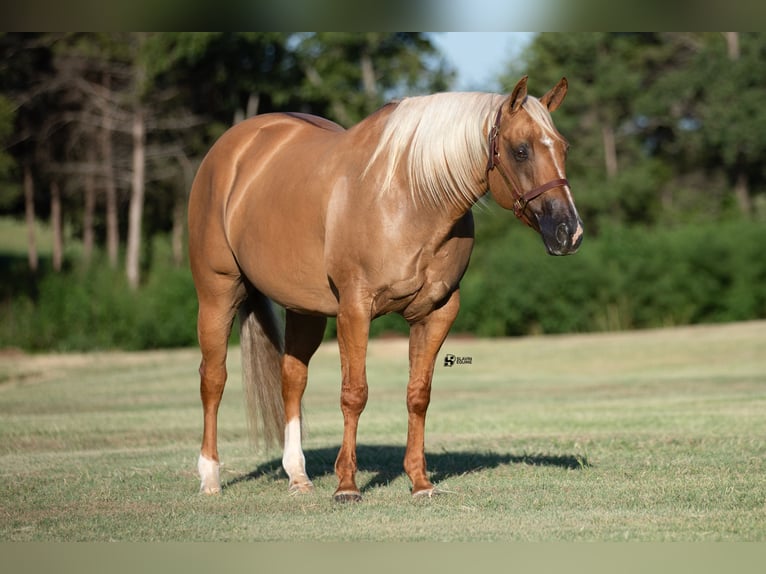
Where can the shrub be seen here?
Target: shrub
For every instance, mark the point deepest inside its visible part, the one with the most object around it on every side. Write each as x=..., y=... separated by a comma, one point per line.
x=625, y=278
x=93, y=308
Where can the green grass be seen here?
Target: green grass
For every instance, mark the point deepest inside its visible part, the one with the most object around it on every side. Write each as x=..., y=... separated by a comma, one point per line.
x=654, y=435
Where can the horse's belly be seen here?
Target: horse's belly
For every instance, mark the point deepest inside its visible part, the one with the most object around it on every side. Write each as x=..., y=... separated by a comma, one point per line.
x=292, y=285
x=285, y=265
x=278, y=242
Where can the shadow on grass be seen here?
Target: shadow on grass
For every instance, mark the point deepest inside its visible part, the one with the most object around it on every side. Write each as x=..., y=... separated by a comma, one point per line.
x=386, y=462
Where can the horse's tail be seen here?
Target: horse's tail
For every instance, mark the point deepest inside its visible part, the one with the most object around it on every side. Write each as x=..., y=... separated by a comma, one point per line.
x=261, y=341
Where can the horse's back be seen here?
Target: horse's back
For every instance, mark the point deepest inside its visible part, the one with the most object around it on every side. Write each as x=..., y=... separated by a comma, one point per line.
x=316, y=121
x=254, y=137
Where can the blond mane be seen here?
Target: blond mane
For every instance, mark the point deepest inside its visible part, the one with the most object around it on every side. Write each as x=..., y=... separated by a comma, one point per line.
x=440, y=141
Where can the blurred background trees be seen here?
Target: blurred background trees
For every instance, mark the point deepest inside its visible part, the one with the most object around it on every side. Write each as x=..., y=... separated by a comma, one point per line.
x=665, y=126
x=102, y=135
x=119, y=121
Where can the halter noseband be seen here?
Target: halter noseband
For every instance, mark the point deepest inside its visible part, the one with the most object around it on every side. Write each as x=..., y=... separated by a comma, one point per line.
x=520, y=199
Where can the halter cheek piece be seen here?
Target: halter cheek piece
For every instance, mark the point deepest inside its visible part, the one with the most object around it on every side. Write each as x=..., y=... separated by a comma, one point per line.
x=521, y=199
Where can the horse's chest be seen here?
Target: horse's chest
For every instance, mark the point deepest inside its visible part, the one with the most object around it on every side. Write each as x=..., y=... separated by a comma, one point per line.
x=433, y=279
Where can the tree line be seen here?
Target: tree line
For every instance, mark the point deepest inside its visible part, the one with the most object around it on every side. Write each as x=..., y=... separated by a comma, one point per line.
x=103, y=133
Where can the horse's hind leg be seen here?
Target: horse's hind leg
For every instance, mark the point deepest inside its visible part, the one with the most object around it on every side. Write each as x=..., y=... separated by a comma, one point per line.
x=303, y=334
x=218, y=301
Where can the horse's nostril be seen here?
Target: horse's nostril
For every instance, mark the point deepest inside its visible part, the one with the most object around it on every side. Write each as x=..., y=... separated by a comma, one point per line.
x=562, y=234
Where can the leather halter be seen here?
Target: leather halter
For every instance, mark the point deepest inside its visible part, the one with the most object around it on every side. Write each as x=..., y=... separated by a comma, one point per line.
x=520, y=199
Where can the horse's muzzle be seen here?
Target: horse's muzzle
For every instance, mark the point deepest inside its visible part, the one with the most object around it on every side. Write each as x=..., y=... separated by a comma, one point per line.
x=562, y=238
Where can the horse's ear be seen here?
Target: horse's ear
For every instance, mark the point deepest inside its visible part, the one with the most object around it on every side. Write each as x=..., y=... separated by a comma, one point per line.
x=555, y=96
x=518, y=95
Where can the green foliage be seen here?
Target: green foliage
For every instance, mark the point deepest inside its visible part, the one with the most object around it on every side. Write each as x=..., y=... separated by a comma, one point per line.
x=626, y=278
x=655, y=110
x=93, y=308
x=731, y=104
x=348, y=75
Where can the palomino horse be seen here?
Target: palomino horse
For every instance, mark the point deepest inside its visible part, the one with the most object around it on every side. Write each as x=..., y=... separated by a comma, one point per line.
x=355, y=224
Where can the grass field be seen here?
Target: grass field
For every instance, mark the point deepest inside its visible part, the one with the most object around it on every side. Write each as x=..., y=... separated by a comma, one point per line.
x=651, y=436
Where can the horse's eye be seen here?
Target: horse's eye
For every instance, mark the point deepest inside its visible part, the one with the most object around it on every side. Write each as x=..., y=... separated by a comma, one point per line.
x=521, y=153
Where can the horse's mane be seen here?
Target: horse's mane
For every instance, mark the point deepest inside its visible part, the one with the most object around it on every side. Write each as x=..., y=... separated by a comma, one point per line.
x=440, y=141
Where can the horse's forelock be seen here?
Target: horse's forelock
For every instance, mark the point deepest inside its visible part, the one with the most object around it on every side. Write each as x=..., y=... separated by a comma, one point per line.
x=542, y=117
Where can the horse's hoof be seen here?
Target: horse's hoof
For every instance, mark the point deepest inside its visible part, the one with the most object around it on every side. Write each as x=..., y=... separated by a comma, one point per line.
x=347, y=496
x=210, y=490
x=301, y=488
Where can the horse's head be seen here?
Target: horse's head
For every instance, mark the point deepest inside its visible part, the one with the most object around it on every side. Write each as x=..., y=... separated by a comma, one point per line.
x=525, y=171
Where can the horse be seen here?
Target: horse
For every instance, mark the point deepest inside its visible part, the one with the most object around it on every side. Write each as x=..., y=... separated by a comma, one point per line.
x=293, y=209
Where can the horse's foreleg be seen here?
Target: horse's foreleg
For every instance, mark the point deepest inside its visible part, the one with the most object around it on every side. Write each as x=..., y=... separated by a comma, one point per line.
x=303, y=334
x=353, y=331
x=426, y=338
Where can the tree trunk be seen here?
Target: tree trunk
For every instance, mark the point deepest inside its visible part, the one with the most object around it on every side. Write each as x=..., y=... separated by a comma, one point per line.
x=732, y=44
x=742, y=193
x=610, y=150
x=741, y=187
x=89, y=208
x=179, y=217
x=179, y=209
x=253, y=102
x=110, y=189
x=135, y=213
x=29, y=211
x=368, y=76
x=56, y=225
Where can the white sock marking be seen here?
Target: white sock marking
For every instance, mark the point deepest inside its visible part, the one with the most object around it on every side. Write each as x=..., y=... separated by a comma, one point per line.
x=293, y=460
x=209, y=472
